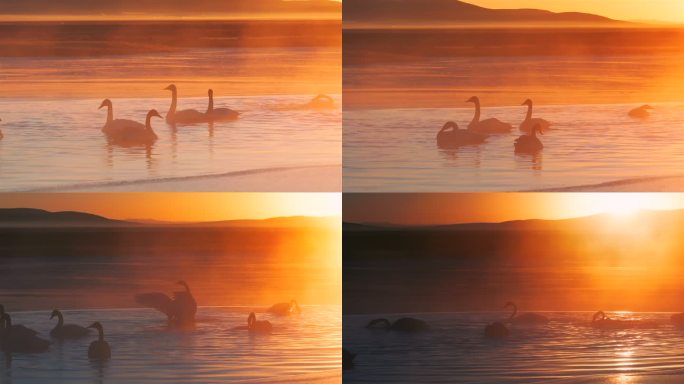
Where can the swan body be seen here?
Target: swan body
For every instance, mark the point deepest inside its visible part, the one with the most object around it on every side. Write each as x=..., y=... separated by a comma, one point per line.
x=114, y=126
x=99, y=349
x=525, y=318
x=488, y=126
x=496, y=330
x=454, y=138
x=347, y=359
x=529, y=143
x=220, y=114
x=406, y=324
x=529, y=123
x=179, y=310
x=601, y=321
x=254, y=325
x=321, y=102
x=66, y=331
x=17, y=338
x=133, y=135
x=186, y=116
x=285, y=309
x=642, y=112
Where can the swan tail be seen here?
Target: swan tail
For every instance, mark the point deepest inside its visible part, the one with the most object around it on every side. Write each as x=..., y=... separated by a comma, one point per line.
x=158, y=301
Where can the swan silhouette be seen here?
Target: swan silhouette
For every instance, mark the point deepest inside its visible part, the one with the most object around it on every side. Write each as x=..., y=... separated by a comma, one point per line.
x=454, y=138
x=113, y=126
x=642, y=112
x=678, y=319
x=347, y=359
x=488, y=126
x=18, y=328
x=186, y=116
x=496, y=330
x=219, y=114
x=321, y=102
x=601, y=321
x=529, y=123
x=99, y=349
x=180, y=311
x=135, y=135
x=284, y=309
x=529, y=143
x=525, y=318
x=254, y=325
x=66, y=331
x=405, y=324
x=17, y=338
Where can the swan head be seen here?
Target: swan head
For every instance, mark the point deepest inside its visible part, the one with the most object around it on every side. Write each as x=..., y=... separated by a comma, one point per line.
x=105, y=103
x=642, y=107
x=96, y=325
x=153, y=113
x=509, y=304
x=210, y=92
x=55, y=313
x=473, y=99
x=183, y=283
x=171, y=87
x=527, y=102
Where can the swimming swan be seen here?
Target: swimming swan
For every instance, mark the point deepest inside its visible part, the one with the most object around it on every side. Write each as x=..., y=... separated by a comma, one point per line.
x=496, y=330
x=113, y=126
x=66, y=331
x=15, y=338
x=186, y=116
x=454, y=138
x=99, y=349
x=321, y=102
x=601, y=321
x=17, y=329
x=180, y=311
x=220, y=114
x=254, y=325
x=529, y=143
x=406, y=324
x=642, y=112
x=529, y=123
x=284, y=309
x=525, y=318
x=136, y=135
x=488, y=126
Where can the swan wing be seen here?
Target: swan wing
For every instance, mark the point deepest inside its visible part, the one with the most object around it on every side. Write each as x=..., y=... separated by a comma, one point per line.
x=122, y=125
x=158, y=301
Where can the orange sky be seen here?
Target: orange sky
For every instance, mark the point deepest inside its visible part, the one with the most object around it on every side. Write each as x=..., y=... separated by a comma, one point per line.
x=183, y=207
x=424, y=209
x=665, y=10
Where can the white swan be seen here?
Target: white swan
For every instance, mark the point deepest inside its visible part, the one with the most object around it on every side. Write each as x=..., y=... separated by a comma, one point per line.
x=529, y=143
x=529, y=123
x=186, y=116
x=112, y=125
x=450, y=137
x=525, y=318
x=220, y=114
x=487, y=126
x=642, y=112
x=139, y=134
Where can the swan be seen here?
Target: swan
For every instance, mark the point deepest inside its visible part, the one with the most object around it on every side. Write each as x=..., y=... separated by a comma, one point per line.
x=601, y=321
x=99, y=349
x=454, y=138
x=529, y=143
x=220, y=114
x=321, y=102
x=68, y=331
x=133, y=135
x=642, y=112
x=678, y=319
x=525, y=318
x=284, y=309
x=113, y=126
x=180, y=311
x=254, y=325
x=406, y=324
x=496, y=330
x=529, y=123
x=17, y=329
x=347, y=359
x=186, y=116
x=487, y=126
x=16, y=338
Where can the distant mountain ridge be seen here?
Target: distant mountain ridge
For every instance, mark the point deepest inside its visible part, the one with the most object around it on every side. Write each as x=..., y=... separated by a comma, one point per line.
x=456, y=11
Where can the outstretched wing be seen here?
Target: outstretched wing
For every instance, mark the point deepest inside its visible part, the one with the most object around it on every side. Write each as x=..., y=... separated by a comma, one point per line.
x=156, y=300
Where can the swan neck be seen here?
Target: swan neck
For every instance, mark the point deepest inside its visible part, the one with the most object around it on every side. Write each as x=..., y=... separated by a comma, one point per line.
x=210, y=108
x=60, y=319
x=100, y=331
x=515, y=312
x=529, y=112
x=174, y=101
x=110, y=113
x=476, y=118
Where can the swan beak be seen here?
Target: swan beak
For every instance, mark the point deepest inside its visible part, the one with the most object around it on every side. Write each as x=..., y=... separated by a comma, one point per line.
x=170, y=87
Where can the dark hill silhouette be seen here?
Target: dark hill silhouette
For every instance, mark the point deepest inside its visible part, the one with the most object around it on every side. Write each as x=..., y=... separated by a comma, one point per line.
x=455, y=11
x=195, y=7
x=16, y=217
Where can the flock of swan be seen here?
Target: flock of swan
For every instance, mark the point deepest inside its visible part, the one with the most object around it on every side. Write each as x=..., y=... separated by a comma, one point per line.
x=129, y=133
x=180, y=310
x=500, y=329
x=451, y=137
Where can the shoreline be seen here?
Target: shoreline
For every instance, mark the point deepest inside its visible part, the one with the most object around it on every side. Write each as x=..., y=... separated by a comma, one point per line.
x=315, y=178
x=672, y=183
